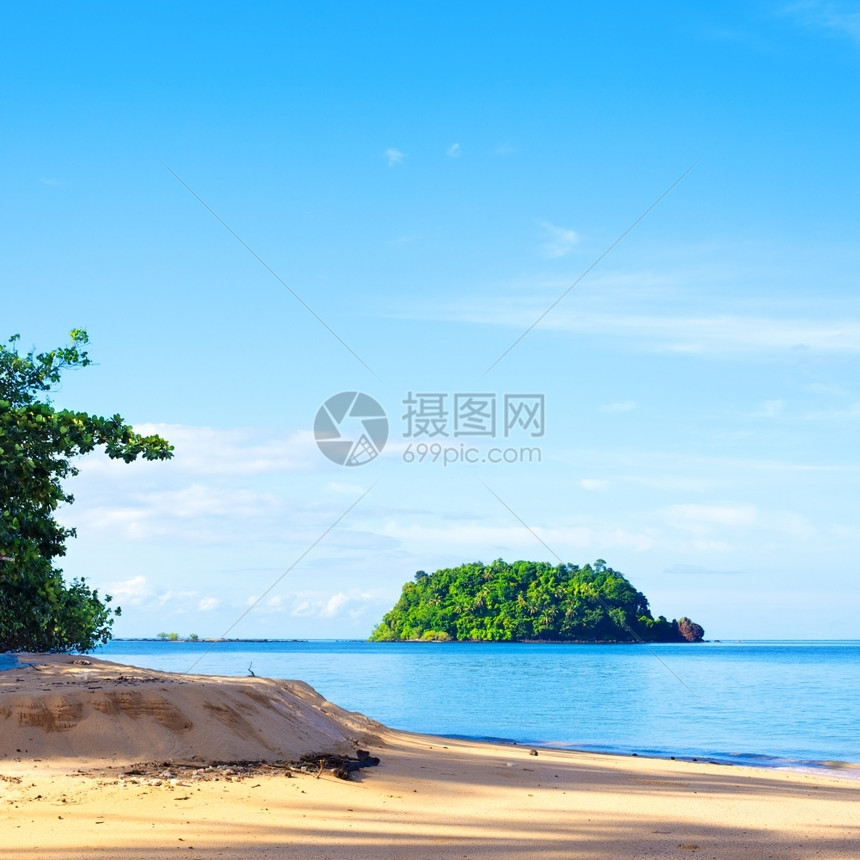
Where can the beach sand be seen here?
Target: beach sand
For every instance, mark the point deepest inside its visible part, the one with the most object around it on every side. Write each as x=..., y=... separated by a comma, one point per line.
x=69, y=731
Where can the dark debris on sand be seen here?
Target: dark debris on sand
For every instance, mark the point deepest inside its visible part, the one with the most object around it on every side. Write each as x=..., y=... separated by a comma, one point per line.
x=185, y=773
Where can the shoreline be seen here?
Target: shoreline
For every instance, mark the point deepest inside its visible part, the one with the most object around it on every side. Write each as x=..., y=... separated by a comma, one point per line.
x=842, y=768
x=71, y=733
x=834, y=768
x=763, y=761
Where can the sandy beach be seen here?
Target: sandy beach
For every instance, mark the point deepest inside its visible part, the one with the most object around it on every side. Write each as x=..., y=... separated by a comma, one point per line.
x=98, y=759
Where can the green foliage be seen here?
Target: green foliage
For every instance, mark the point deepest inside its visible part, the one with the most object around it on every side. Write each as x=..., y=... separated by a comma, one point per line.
x=525, y=600
x=38, y=610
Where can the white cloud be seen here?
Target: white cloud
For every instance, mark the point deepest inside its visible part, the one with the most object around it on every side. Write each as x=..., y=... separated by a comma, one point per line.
x=708, y=546
x=176, y=601
x=826, y=15
x=453, y=150
x=559, y=241
x=471, y=539
x=335, y=605
x=726, y=515
x=850, y=412
x=769, y=409
x=221, y=486
x=694, y=302
x=212, y=451
x=394, y=156
x=306, y=608
x=844, y=532
x=725, y=333
x=695, y=570
x=131, y=592
x=624, y=406
x=702, y=334
x=241, y=451
x=342, y=604
x=345, y=489
x=195, y=512
x=139, y=592
x=275, y=603
x=594, y=484
x=47, y=181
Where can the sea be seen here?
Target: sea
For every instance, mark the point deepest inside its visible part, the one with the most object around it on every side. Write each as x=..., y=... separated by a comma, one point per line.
x=779, y=704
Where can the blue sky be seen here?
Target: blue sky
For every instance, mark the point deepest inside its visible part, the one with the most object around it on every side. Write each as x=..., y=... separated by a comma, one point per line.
x=430, y=182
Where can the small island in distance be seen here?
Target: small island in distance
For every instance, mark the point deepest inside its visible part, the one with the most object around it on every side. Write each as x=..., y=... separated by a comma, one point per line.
x=527, y=601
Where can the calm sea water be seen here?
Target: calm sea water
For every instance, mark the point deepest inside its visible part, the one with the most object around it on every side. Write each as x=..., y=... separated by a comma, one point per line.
x=793, y=704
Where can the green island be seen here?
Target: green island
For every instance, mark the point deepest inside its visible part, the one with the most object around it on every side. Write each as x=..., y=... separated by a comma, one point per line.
x=527, y=601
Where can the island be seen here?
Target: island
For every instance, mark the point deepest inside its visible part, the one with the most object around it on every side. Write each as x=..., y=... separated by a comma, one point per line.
x=527, y=601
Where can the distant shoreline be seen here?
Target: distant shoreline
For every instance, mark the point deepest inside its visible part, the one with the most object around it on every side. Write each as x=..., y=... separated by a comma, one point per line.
x=201, y=640
x=433, y=641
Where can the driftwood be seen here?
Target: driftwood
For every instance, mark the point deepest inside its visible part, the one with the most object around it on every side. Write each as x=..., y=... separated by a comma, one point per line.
x=341, y=765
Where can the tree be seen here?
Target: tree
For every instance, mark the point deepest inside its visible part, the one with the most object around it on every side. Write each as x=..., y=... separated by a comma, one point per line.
x=38, y=610
x=528, y=600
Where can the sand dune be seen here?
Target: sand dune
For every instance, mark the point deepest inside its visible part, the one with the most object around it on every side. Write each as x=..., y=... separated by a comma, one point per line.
x=60, y=707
